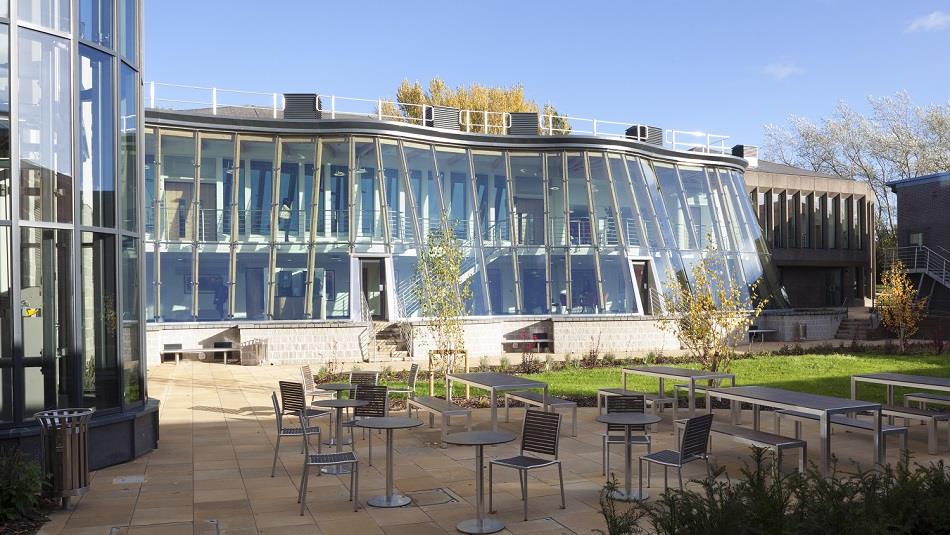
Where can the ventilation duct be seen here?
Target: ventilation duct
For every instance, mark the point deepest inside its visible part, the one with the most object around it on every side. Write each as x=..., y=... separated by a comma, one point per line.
x=304, y=106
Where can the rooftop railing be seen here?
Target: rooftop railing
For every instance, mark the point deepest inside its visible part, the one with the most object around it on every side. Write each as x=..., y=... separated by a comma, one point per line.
x=262, y=104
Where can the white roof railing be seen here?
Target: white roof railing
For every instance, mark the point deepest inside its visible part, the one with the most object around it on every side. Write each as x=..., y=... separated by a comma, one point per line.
x=218, y=101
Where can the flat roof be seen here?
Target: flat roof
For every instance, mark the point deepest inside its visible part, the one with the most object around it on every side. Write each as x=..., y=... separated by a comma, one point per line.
x=917, y=180
x=766, y=166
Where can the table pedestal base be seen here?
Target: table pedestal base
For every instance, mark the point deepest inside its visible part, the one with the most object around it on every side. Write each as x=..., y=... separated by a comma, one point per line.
x=632, y=496
x=487, y=525
x=395, y=500
x=337, y=469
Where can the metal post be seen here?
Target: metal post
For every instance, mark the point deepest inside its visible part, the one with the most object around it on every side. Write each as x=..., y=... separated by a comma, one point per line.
x=594, y=121
x=485, y=120
x=379, y=109
x=214, y=101
x=274, y=103
x=333, y=106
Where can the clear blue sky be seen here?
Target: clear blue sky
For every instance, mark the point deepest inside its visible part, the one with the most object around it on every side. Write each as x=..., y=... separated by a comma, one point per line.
x=722, y=67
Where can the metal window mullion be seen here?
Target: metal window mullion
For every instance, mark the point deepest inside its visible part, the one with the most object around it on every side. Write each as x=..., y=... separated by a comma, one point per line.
x=568, y=285
x=621, y=230
x=235, y=226
x=159, y=222
x=516, y=237
x=595, y=238
x=641, y=226
x=351, y=192
x=312, y=234
x=194, y=227
x=437, y=176
x=383, y=198
x=410, y=198
x=547, y=239
x=272, y=238
x=686, y=215
x=480, y=248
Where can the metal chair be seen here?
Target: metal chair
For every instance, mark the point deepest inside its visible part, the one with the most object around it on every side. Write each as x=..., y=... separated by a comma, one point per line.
x=539, y=435
x=635, y=403
x=377, y=408
x=288, y=431
x=692, y=447
x=363, y=378
x=327, y=459
x=410, y=389
x=310, y=387
x=293, y=400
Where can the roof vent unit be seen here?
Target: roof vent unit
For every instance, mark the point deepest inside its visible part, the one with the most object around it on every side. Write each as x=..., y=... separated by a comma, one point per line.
x=305, y=106
x=442, y=117
x=749, y=152
x=643, y=133
x=523, y=123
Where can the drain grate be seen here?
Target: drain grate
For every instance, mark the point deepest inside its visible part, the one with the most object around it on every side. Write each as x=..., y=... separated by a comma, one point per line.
x=437, y=496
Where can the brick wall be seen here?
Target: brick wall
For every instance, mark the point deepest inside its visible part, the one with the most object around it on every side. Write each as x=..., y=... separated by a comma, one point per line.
x=924, y=208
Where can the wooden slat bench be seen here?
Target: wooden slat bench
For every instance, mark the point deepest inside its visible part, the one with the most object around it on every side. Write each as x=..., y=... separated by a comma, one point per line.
x=446, y=409
x=654, y=400
x=760, y=439
x=843, y=421
x=536, y=399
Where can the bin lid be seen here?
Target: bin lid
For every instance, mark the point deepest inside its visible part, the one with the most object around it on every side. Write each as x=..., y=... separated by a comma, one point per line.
x=56, y=417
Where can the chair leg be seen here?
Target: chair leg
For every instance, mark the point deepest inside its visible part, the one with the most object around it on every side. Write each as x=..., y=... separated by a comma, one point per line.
x=352, y=480
x=524, y=495
x=303, y=488
x=649, y=465
x=273, y=469
x=640, y=475
x=319, y=442
x=560, y=478
x=356, y=486
x=371, y=449
x=603, y=453
x=507, y=411
x=574, y=421
x=491, y=487
x=666, y=481
x=679, y=474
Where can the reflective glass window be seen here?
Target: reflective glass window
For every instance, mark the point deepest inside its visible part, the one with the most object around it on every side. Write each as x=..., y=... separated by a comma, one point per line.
x=178, y=185
x=628, y=214
x=250, y=282
x=368, y=210
x=131, y=253
x=131, y=327
x=401, y=224
x=673, y=200
x=128, y=28
x=453, y=176
x=585, y=297
x=53, y=14
x=128, y=149
x=534, y=288
x=333, y=220
x=95, y=21
x=295, y=191
x=331, y=296
x=7, y=395
x=44, y=126
x=290, y=282
x=255, y=189
x=5, y=184
x=579, y=224
x=602, y=202
x=720, y=212
x=151, y=286
x=97, y=139
x=213, y=283
x=528, y=191
x=177, y=283
x=491, y=193
x=739, y=211
x=149, y=183
x=647, y=214
x=559, y=272
x=619, y=289
x=216, y=188
x=557, y=233
x=425, y=187
x=696, y=190
x=501, y=281
x=100, y=378
x=473, y=273
x=405, y=269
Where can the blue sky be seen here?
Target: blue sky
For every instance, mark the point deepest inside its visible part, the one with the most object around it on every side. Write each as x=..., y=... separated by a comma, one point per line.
x=722, y=67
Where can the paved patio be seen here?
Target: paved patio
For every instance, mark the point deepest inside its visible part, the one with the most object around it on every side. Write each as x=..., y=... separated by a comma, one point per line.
x=211, y=473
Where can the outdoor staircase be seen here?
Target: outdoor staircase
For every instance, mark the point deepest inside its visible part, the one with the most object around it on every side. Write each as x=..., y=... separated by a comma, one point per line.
x=854, y=329
x=933, y=267
x=389, y=343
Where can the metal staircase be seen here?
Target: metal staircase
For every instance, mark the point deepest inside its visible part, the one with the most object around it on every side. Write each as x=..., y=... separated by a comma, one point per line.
x=922, y=260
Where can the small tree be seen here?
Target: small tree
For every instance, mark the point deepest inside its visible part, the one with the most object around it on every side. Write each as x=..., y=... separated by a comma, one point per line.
x=442, y=294
x=901, y=311
x=709, y=314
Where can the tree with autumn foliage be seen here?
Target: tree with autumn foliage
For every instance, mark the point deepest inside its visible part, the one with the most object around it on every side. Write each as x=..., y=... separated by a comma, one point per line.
x=901, y=310
x=411, y=97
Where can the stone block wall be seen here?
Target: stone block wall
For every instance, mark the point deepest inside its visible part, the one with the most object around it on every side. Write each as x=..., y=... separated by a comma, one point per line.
x=819, y=324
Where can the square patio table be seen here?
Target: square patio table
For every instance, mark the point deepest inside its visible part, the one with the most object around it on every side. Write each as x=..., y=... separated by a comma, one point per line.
x=899, y=379
x=822, y=406
x=494, y=383
x=677, y=374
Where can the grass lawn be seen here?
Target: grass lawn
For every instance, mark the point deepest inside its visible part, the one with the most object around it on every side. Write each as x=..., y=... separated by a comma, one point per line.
x=818, y=374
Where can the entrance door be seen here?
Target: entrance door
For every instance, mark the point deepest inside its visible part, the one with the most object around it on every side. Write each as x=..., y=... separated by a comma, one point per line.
x=641, y=277
x=373, y=280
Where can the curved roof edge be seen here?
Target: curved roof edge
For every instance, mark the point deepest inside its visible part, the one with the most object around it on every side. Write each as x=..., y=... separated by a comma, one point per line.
x=243, y=125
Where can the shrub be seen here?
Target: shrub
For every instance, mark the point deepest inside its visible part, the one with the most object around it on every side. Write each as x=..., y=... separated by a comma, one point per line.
x=22, y=480
x=610, y=359
x=483, y=364
x=589, y=360
x=548, y=363
x=504, y=364
x=530, y=363
x=569, y=361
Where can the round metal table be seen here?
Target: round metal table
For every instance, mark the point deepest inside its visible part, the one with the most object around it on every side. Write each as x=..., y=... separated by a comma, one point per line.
x=389, y=423
x=480, y=439
x=339, y=388
x=628, y=420
x=339, y=405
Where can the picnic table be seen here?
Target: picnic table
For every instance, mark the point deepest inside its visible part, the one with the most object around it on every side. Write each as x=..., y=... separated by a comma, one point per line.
x=677, y=374
x=890, y=380
x=822, y=406
x=494, y=383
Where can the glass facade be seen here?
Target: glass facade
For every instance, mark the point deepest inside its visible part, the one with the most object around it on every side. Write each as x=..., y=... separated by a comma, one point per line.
x=71, y=256
x=328, y=227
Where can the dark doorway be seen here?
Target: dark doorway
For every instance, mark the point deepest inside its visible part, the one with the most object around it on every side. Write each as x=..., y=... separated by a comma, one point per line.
x=373, y=282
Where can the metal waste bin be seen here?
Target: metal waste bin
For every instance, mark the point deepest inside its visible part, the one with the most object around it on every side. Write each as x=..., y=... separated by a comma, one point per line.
x=65, y=439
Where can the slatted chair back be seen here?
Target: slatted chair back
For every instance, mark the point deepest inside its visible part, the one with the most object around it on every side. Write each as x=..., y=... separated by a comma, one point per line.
x=696, y=436
x=292, y=398
x=635, y=403
x=363, y=378
x=541, y=432
x=308, y=384
x=413, y=376
x=376, y=396
x=277, y=412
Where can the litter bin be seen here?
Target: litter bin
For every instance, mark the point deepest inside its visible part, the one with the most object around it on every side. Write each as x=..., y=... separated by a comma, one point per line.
x=802, y=331
x=65, y=439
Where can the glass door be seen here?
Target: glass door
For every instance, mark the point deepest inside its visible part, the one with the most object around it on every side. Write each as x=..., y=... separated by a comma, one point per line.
x=373, y=281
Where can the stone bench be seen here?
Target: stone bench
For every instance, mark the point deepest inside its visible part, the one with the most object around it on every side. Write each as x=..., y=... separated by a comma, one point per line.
x=536, y=399
x=446, y=409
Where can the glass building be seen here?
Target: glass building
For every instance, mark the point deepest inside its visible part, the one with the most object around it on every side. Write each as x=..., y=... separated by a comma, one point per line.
x=251, y=219
x=71, y=322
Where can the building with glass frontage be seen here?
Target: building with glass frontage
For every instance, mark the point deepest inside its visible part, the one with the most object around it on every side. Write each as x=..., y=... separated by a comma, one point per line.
x=258, y=224
x=71, y=320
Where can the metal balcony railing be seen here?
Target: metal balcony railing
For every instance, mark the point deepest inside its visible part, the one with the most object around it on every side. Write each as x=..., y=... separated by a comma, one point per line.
x=922, y=259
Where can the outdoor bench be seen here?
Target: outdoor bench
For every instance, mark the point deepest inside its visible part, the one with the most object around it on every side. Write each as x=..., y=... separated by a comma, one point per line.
x=843, y=421
x=535, y=399
x=926, y=397
x=439, y=406
x=928, y=418
x=760, y=439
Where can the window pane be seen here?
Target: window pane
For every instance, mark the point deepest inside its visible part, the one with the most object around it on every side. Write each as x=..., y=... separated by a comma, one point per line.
x=401, y=228
x=333, y=219
x=96, y=136
x=45, y=299
x=44, y=128
x=176, y=283
x=331, y=296
x=130, y=278
x=290, y=282
x=296, y=191
x=52, y=14
x=585, y=298
x=697, y=194
x=100, y=381
x=453, y=177
x=131, y=327
x=150, y=282
x=177, y=185
x=405, y=266
x=425, y=189
x=579, y=225
x=491, y=193
x=556, y=221
x=128, y=29
x=628, y=216
x=5, y=183
x=672, y=196
x=216, y=188
x=7, y=395
x=255, y=190
x=647, y=213
x=618, y=285
x=368, y=212
x=603, y=204
x=528, y=180
x=213, y=267
x=250, y=282
x=534, y=288
x=472, y=270
x=501, y=281
x=95, y=21
x=149, y=184
x=128, y=151
x=559, y=281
